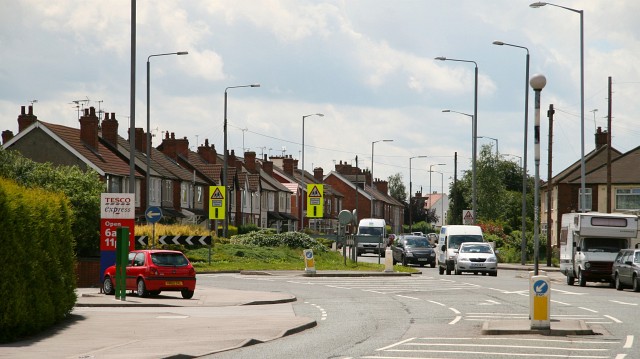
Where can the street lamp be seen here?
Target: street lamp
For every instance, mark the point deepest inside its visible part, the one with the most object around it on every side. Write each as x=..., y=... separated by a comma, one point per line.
x=537, y=83
x=373, y=143
x=475, y=134
x=225, y=167
x=430, y=167
x=441, y=195
x=473, y=162
x=519, y=158
x=523, y=245
x=495, y=139
x=148, y=194
x=302, y=172
x=583, y=198
x=411, y=192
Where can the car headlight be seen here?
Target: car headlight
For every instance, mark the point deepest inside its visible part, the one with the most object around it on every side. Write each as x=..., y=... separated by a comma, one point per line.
x=492, y=259
x=587, y=265
x=452, y=258
x=409, y=254
x=463, y=259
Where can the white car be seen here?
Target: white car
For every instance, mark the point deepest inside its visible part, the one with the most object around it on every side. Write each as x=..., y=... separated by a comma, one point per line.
x=477, y=258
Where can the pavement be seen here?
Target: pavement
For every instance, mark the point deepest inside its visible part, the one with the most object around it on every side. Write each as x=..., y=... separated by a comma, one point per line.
x=102, y=326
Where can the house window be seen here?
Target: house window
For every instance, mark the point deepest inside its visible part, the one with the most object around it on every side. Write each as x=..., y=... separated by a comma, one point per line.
x=167, y=193
x=588, y=198
x=271, y=201
x=628, y=198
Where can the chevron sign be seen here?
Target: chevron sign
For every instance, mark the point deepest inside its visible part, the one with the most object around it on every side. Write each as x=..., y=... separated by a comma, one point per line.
x=184, y=240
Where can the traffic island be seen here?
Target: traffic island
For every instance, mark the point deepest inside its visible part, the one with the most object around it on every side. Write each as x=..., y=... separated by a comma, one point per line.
x=557, y=327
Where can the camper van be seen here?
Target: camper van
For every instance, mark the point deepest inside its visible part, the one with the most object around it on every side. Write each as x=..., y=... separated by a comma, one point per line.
x=590, y=242
x=449, y=241
x=372, y=236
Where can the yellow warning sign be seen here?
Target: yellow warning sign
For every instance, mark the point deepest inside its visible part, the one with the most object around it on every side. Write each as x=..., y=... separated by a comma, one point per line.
x=315, y=200
x=217, y=202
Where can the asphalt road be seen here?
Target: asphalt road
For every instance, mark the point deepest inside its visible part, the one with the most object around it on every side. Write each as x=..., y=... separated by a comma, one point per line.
x=439, y=316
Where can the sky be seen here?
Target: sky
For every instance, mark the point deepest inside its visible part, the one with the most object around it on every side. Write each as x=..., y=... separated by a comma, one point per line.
x=367, y=65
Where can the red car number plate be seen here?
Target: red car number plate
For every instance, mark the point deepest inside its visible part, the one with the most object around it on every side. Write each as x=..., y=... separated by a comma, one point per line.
x=173, y=283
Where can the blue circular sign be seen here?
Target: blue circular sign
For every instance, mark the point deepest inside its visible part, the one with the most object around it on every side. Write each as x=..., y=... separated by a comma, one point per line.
x=540, y=287
x=153, y=214
x=309, y=254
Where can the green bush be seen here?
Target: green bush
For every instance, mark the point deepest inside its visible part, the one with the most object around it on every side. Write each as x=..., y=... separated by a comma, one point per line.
x=267, y=238
x=36, y=252
x=246, y=228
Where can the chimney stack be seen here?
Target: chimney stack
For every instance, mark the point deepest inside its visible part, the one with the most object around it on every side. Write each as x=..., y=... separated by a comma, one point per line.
x=250, y=161
x=208, y=153
x=26, y=120
x=110, y=129
x=88, y=127
x=287, y=166
x=318, y=174
x=6, y=136
x=601, y=138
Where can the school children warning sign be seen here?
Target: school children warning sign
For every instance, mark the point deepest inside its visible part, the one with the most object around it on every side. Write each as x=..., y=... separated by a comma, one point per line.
x=315, y=200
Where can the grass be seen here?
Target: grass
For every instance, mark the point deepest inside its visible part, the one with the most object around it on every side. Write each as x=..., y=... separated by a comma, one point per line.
x=234, y=257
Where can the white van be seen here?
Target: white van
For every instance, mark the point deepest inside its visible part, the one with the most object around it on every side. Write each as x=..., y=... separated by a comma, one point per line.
x=372, y=236
x=449, y=242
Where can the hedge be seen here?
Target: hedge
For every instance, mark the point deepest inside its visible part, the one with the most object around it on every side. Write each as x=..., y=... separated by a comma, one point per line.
x=36, y=251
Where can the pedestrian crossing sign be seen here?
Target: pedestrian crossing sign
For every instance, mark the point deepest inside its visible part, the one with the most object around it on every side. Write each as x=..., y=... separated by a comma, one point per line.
x=217, y=202
x=315, y=200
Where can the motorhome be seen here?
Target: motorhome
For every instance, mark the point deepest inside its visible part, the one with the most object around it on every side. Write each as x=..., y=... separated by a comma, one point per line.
x=449, y=241
x=372, y=236
x=589, y=243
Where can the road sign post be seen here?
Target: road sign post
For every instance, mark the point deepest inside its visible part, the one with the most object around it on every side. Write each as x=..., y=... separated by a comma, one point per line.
x=315, y=200
x=122, y=259
x=468, y=217
x=153, y=216
x=217, y=202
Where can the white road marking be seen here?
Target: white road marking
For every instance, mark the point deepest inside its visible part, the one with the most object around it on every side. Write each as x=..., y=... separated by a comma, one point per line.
x=455, y=320
x=612, y=318
x=625, y=303
x=406, y=296
x=558, y=302
x=629, y=343
x=436, y=303
x=589, y=310
x=172, y=317
x=323, y=313
x=395, y=344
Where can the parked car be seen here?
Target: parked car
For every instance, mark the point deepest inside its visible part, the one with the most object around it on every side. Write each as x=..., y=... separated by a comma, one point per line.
x=476, y=257
x=412, y=249
x=626, y=269
x=150, y=272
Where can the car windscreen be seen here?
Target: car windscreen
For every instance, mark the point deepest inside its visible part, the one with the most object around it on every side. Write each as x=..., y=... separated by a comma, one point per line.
x=455, y=240
x=417, y=242
x=169, y=259
x=475, y=248
x=610, y=245
x=372, y=231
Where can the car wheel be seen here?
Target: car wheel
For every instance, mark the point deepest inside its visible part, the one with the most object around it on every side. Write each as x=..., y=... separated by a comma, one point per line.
x=494, y=274
x=432, y=265
x=404, y=261
x=582, y=281
x=440, y=270
x=154, y=292
x=456, y=270
x=142, y=289
x=107, y=286
x=187, y=294
x=570, y=280
x=618, y=283
x=636, y=284
x=484, y=273
x=394, y=261
x=448, y=270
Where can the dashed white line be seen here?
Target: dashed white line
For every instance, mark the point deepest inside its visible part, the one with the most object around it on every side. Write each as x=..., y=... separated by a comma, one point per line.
x=625, y=303
x=406, y=296
x=323, y=312
x=588, y=310
x=612, y=318
x=436, y=303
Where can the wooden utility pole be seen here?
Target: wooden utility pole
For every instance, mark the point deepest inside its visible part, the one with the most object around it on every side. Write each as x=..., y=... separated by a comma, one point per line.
x=609, y=149
x=549, y=183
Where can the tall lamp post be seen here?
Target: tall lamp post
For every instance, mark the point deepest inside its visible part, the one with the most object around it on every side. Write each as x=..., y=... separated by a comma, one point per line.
x=583, y=197
x=225, y=167
x=523, y=245
x=302, y=172
x=473, y=163
x=373, y=143
x=411, y=193
x=537, y=83
x=442, y=196
x=430, y=167
x=494, y=139
x=148, y=192
x=475, y=134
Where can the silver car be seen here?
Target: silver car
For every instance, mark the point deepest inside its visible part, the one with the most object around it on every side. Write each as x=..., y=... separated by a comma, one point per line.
x=476, y=257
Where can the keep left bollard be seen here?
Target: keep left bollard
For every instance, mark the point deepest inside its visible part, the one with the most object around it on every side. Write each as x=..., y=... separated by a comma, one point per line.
x=388, y=260
x=309, y=263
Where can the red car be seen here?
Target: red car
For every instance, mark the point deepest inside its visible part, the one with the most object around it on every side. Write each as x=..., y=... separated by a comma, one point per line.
x=151, y=271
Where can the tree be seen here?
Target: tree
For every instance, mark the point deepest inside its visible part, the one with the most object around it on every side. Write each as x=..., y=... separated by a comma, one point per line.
x=82, y=188
x=397, y=189
x=498, y=191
